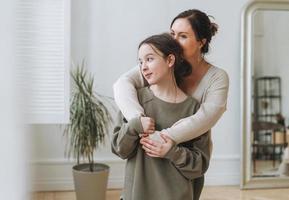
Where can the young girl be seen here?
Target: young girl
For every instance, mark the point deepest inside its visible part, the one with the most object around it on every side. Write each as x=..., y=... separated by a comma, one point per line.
x=148, y=176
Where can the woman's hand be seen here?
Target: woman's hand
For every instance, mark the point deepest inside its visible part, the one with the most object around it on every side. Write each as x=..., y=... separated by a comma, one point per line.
x=148, y=125
x=155, y=148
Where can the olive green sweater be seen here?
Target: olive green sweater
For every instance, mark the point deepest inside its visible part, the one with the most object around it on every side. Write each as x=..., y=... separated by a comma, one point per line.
x=168, y=178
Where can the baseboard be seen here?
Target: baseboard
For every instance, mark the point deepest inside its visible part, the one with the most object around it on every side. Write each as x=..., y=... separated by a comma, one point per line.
x=224, y=170
x=56, y=174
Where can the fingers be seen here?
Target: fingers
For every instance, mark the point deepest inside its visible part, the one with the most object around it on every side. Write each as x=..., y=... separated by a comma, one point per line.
x=166, y=138
x=147, y=149
x=150, y=147
x=148, y=142
x=154, y=148
x=148, y=124
x=148, y=120
x=151, y=130
x=152, y=155
x=151, y=121
x=151, y=125
x=143, y=135
x=151, y=151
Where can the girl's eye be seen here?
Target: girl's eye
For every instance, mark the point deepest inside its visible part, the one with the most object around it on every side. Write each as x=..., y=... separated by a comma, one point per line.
x=140, y=63
x=149, y=59
x=172, y=33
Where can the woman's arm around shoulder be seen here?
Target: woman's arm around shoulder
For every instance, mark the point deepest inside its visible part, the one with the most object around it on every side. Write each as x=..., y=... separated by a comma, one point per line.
x=212, y=107
x=125, y=93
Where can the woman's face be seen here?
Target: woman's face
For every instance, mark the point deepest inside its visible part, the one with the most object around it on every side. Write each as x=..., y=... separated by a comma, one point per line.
x=154, y=67
x=182, y=31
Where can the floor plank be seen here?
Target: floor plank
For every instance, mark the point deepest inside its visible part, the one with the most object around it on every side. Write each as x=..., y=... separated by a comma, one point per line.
x=209, y=193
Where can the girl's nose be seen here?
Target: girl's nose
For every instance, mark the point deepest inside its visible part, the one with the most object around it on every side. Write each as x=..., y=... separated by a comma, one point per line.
x=144, y=67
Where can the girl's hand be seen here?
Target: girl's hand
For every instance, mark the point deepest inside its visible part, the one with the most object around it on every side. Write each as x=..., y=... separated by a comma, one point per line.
x=148, y=125
x=155, y=148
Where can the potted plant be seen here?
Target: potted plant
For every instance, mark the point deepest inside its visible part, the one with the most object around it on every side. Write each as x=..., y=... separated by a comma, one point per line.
x=89, y=123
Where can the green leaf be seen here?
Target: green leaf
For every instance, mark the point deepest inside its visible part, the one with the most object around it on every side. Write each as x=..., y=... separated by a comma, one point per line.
x=89, y=117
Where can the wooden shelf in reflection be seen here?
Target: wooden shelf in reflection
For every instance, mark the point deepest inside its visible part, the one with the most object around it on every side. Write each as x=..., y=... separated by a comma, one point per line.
x=272, y=149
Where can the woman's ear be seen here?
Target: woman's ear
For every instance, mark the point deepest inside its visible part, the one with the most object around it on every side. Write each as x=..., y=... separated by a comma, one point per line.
x=171, y=60
x=202, y=42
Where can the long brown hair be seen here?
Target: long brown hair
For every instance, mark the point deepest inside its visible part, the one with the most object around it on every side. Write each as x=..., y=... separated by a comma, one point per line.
x=167, y=45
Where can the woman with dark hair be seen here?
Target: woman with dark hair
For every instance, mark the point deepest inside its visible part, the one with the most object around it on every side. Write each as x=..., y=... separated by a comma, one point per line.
x=168, y=178
x=208, y=84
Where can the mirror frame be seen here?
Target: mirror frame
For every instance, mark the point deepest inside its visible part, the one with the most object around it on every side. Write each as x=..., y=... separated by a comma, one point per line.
x=247, y=181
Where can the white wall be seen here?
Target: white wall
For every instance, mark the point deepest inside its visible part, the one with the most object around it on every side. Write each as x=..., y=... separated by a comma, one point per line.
x=107, y=33
x=13, y=152
x=271, y=50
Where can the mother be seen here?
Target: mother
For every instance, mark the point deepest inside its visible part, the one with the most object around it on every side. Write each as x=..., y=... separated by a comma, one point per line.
x=207, y=83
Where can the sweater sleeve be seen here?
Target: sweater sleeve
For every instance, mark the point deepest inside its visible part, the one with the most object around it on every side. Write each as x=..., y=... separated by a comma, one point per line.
x=191, y=158
x=125, y=93
x=210, y=111
x=125, y=137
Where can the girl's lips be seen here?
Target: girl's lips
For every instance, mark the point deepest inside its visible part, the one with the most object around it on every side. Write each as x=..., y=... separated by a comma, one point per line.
x=148, y=75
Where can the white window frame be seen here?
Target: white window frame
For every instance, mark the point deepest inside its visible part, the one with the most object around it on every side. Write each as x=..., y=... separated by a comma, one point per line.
x=44, y=77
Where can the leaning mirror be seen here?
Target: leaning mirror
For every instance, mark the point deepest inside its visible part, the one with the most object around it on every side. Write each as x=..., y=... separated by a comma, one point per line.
x=265, y=94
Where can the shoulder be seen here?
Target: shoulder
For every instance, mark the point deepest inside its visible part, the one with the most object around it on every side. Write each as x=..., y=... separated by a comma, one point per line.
x=144, y=95
x=192, y=101
x=218, y=77
x=218, y=73
x=192, y=104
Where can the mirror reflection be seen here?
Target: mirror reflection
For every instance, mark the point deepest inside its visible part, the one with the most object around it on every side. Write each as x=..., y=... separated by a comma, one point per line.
x=270, y=98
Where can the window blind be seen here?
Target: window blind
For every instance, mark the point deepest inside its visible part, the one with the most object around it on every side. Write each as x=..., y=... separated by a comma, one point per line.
x=43, y=59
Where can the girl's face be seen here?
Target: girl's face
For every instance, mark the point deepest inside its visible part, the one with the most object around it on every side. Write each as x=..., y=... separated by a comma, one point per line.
x=154, y=67
x=182, y=31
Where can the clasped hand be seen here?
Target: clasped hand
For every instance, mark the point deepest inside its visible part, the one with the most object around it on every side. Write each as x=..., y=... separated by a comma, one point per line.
x=154, y=148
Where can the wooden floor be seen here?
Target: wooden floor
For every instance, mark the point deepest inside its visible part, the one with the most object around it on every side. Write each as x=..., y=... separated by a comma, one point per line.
x=209, y=193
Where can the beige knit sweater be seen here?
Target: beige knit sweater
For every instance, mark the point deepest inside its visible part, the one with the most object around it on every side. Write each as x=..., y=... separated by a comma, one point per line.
x=211, y=93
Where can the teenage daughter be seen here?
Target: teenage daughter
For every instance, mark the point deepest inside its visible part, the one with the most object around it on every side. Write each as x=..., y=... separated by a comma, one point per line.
x=170, y=177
